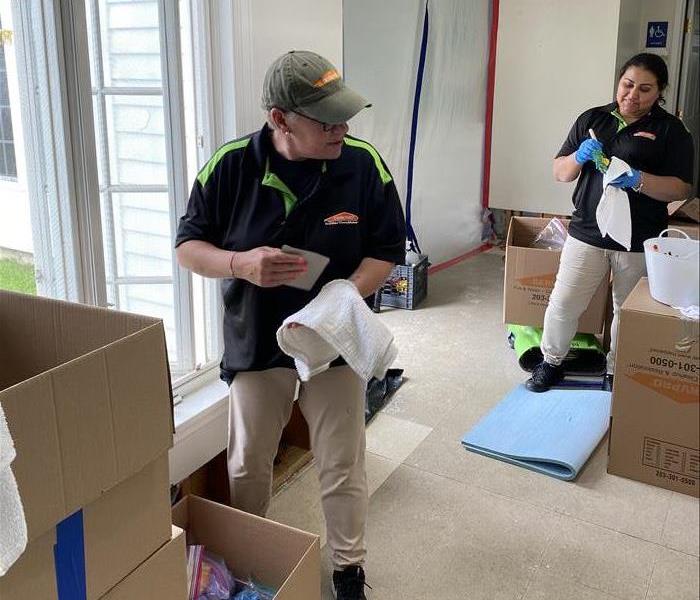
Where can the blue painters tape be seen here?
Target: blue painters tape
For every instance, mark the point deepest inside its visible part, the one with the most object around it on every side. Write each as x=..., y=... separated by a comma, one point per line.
x=69, y=558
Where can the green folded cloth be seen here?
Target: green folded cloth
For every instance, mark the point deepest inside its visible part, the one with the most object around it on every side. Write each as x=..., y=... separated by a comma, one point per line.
x=586, y=356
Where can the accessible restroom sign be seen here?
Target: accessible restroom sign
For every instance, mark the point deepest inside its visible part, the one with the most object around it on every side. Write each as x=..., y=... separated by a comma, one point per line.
x=657, y=34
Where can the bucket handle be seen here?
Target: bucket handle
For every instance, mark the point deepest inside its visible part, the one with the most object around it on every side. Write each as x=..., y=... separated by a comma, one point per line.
x=683, y=233
x=687, y=237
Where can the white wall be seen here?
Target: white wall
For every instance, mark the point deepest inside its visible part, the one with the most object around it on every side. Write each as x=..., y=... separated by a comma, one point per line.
x=268, y=28
x=555, y=59
x=381, y=59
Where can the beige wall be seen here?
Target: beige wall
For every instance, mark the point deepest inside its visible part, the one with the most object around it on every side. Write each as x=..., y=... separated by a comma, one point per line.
x=555, y=59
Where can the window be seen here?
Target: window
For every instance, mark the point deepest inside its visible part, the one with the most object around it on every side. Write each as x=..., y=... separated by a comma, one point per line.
x=135, y=170
x=142, y=148
x=8, y=164
x=109, y=106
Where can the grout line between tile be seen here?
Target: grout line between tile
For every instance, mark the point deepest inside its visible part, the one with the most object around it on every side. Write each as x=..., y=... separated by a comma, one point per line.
x=550, y=509
x=651, y=577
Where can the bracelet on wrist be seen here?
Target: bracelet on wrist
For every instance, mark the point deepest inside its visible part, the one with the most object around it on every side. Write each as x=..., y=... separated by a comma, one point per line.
x=230, y=264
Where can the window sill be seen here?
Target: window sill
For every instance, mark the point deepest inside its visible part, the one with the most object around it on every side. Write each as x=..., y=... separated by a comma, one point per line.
x=201, y=426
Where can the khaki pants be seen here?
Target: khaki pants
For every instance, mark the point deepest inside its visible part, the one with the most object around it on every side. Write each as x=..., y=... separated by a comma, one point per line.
x=581, y=269
x=333, y=404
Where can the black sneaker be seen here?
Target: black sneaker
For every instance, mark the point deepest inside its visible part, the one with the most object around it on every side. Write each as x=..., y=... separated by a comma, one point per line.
x=349, y=584
x=608, y=382
x=544, y=377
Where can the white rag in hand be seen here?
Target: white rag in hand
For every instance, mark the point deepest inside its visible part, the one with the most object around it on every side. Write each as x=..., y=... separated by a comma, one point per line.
x=613, y=212
x=13, y=527
x=338, y=322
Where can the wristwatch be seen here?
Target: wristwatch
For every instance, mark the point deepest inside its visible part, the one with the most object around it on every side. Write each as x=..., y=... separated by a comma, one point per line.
x=638, y=188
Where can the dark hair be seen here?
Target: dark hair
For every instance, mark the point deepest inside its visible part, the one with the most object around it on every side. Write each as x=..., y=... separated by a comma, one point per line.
x=652, y=63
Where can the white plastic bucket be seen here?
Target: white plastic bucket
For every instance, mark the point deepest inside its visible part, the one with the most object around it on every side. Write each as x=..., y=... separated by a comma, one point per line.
x=673, y=267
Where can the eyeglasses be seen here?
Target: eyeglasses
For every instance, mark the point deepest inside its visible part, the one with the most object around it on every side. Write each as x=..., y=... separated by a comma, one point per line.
x=326, y=127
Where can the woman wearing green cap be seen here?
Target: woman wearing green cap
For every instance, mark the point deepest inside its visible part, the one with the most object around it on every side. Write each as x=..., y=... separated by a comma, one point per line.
x=300, y=181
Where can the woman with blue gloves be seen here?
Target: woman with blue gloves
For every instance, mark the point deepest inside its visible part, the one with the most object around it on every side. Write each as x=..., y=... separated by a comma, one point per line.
x=659, y=150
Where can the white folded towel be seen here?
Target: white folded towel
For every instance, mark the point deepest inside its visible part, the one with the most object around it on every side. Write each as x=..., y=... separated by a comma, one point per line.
x=338, y=322
x=13, y=527
x=613, y=212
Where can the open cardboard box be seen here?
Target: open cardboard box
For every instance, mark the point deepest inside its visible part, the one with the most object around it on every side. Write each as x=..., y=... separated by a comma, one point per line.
x=278, y=556
x=161, y=575
x=529, y=279
x=86, y=394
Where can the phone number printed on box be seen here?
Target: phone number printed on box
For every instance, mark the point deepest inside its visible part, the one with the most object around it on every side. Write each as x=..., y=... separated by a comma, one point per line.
x=672, y=462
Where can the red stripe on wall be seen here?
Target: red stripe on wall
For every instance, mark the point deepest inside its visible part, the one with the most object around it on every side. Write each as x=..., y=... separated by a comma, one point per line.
x=459, y=259
x=490, y=84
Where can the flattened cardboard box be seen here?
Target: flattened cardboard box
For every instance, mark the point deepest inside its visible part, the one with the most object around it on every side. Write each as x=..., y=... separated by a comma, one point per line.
x=529, y=279
x=87, y=398
x=162, y=575
x=655, y=427
x=278, y=556
x=120, y=529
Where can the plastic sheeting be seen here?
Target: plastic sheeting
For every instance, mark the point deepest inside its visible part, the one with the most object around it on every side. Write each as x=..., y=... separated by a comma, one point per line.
x=381, y=52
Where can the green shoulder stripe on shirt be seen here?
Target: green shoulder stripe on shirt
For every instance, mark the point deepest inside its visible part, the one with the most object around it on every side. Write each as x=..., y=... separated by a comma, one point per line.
x=383, y=173
x=208, y=169
x=621, y=123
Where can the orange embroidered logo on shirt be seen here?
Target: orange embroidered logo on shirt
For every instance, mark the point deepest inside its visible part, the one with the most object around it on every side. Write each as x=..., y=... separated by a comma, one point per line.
x=326, y=78
x=342, y=218
x=645, y=134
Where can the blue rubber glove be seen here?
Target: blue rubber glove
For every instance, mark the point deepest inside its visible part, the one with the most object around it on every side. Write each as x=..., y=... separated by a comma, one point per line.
x=586, y=150
x=627, y=180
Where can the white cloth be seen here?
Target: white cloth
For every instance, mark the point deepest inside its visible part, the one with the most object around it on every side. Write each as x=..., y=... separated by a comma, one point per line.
x=13, y=527
x=613, y=212
x=338, y=322
x=692, y=313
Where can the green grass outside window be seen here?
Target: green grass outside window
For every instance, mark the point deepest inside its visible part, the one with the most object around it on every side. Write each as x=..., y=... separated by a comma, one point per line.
x=17, y=276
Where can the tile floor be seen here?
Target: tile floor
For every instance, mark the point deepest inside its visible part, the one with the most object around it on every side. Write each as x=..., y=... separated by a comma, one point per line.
x=445, y=523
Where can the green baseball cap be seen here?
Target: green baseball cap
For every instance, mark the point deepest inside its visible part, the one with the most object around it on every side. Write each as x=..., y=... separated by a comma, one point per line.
x=306, y=83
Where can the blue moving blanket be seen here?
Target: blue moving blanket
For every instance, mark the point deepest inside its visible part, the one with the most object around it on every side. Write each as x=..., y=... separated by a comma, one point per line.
x=552, y=432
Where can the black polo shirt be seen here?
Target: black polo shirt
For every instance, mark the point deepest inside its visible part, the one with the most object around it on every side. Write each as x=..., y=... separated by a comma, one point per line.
x=658, y=143
x=350, y=211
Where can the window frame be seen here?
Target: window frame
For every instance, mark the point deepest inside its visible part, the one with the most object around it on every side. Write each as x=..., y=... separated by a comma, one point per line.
x=65, y=193
x=9, y=141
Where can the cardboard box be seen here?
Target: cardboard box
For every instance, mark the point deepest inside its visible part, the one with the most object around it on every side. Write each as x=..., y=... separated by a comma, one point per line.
x=119, y=530
x=529, y=279
x=86, y=393
x=87, y=398
x=655, y=424
x=278, y=556
x=685, y=210
x=685, y=215
x=162, y=575
x=691, y=229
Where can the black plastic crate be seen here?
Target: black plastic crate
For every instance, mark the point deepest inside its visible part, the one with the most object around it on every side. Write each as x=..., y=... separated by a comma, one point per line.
x=407, y=286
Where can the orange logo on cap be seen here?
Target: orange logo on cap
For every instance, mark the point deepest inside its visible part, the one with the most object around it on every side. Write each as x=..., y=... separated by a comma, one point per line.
x=326, y=78
x=342, y=218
